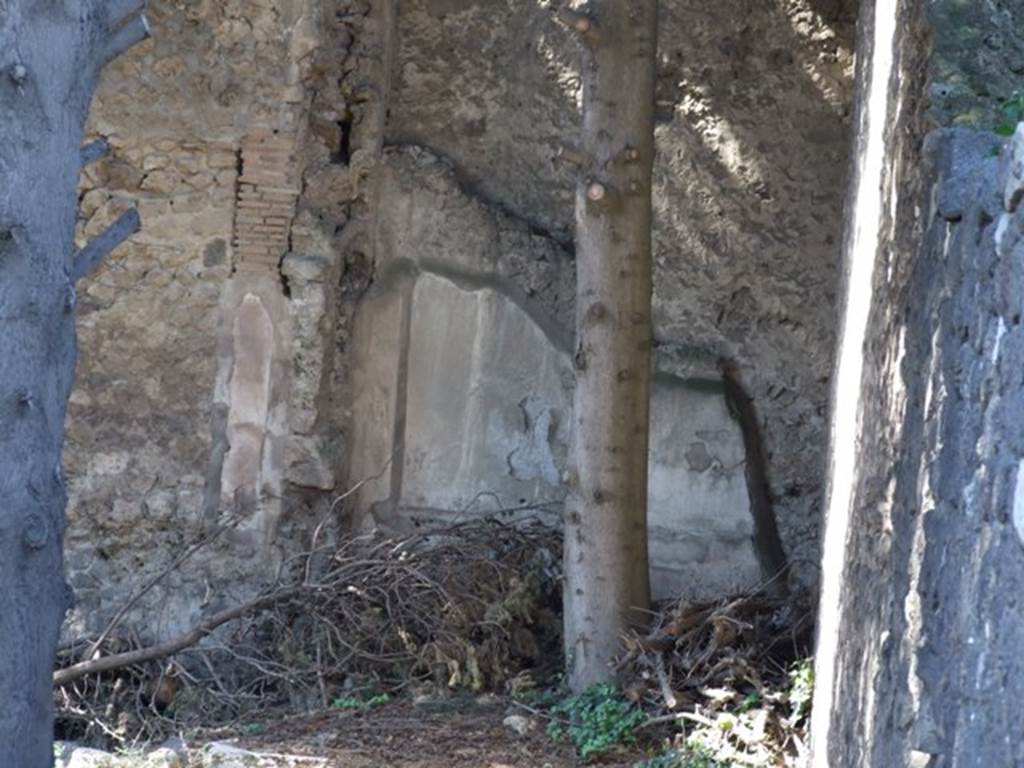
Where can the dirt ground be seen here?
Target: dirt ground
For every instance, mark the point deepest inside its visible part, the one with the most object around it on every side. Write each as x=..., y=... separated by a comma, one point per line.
x=458, y=733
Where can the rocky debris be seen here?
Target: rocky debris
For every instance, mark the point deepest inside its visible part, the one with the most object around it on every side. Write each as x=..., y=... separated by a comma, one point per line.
x=214, y=755
x=224, y=755
x=70, y=755
x=519, y=724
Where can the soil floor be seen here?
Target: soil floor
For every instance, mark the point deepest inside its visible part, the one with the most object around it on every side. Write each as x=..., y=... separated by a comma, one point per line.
x=455, y=733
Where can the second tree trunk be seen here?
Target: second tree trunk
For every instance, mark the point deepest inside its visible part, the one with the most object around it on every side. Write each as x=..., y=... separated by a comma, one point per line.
x=606, y=571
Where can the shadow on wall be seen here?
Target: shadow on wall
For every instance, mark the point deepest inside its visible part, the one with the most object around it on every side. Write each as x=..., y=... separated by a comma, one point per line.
x=750, y=178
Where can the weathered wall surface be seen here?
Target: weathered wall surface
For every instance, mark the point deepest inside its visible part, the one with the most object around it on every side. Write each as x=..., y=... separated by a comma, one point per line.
x=978, y=62
x=204, y=380
x=750, y=176
x=935, y=557
x=926, y=665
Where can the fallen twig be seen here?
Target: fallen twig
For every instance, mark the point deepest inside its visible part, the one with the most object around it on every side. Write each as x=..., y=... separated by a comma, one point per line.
x=172, y=646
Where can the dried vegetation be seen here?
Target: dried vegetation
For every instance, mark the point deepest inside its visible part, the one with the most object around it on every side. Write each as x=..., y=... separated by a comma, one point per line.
x=471, y=607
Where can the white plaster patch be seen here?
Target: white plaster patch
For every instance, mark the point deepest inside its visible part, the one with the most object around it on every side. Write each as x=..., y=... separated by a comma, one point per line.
x=969, y=495
x=1014, y=189
x=1000, y=332
x=1002, y=227
x=250, y=397
x=1018, y=502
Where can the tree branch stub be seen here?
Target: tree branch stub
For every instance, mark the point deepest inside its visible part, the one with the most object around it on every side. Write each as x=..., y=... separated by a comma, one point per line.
x=17, y=73
x=582, y=23
x=131, y=33
x=120, y=11
x=573, y=156
x=126, y=225
x=601, y=196
x=95, y=150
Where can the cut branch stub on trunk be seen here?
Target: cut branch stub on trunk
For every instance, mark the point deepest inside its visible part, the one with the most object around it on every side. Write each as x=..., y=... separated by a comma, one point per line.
x=606, y=571
x=94, y=151
x=582, y=22
x=126, y=225
x=574, y=157
x=130, y=34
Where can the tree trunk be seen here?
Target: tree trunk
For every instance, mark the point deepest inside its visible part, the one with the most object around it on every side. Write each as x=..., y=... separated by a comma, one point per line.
x=606, y=576
x=50, y=55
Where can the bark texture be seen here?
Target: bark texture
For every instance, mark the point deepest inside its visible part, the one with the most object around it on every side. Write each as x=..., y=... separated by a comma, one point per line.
x=606, y=586
x=50, y=55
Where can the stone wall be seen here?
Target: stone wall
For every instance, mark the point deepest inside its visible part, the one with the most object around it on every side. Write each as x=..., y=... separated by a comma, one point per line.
x=205, y=355
x=928, y=659
x=919, y=636
x=463, y=382
x=978, y=61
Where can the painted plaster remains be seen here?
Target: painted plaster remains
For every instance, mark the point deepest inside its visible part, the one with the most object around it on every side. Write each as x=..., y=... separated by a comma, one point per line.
x=463, y=380
x=356, y=264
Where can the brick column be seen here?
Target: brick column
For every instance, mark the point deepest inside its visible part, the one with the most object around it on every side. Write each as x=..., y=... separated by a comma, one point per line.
x=267, y=191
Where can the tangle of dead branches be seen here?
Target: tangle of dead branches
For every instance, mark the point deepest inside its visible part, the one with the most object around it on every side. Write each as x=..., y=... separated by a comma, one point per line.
x=733, y=672
x=471, y=605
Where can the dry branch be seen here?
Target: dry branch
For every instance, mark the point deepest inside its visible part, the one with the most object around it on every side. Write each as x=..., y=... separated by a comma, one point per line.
x=170, y=647
x=724, y=658
x=467, y=605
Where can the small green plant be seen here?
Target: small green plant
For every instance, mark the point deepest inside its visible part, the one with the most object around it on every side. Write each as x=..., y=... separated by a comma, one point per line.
x=543, y=698
x=1012, y=112
x=801, y=689
x=253, y=729
x=351, y=702
x=690, y=758
x=595, y=720
x=750, y=701
x=669, y=759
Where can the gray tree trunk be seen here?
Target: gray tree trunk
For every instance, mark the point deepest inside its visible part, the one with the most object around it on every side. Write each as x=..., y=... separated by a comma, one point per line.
x=606, y=576
x=51, y=52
